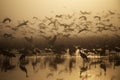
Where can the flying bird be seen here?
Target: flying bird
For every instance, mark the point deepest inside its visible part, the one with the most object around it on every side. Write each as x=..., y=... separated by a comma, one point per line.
x=111, y=13
x=49, y=18
x=29, y=39
x=85, y=12
x=66, y=25
x=6, y=19
x=52, y=41
x=6, y=35
x=81, y=30
x=97, y=17
x=66, y=35
x=50, y=74
x=83, y=17
x=59, y=16
x=22, y=24
x=36, y=18
x=47, y=38
x=54, y=22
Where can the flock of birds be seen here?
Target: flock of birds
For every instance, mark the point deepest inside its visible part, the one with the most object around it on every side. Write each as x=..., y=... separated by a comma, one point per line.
x=61, y=26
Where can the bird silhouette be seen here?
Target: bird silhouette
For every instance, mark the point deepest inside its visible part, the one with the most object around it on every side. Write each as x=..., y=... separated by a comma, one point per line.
x=85, y=12
x=6, y=19
x=47, y=38
x=70, y=16
x=29, y=39
x=103, y=66
x=48, y=18
x=111, y=13
x=81, y=30
x=7, y=35
x=36, y=18
x=50, y=74
x=83, y=69
x=66, y=25
x=84, y=56
x=54, y=22
x=34, y=64
x=61, y=71
x=23, y=68
x=97, y=17
x=22, y=24
x=52, y=41
x=42, y=26
x=66, y=35
x=22, y=57
x=83, y=17
x=59, y=16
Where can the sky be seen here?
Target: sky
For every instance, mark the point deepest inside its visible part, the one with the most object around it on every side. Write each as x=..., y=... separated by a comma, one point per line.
x=24, y=9
x=19, y=10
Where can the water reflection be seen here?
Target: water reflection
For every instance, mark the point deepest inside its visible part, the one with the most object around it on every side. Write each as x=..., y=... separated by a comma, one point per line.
x=58, y=68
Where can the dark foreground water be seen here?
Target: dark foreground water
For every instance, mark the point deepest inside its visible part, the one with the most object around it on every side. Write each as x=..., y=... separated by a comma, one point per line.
x=61, y=68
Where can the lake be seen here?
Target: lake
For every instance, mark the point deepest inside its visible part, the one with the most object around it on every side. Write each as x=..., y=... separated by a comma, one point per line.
x=61, y=68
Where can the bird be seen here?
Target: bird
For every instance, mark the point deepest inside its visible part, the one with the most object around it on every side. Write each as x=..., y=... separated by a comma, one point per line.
x=66, y=25
x=29, y=39
x=61, y=71
x=34, y=63
x=85, y=12
x=42, y=26
x=84, y=56
x=103, y=66
x=22, y=24
x=71, y=64
x=22, y=57
x=14, y=29
x=83, y=17
x=83, y=69
x=49, y=18
x=59, y=16
x=36, y=18
x=47, y=38
x=23, y=68
x=7, y=35
x=54, y=22
x=81, y=30
x=49, y=74
x=52, y=41
x=70, y=16
x=111, y=13
x=97, y=17
x=6, y=19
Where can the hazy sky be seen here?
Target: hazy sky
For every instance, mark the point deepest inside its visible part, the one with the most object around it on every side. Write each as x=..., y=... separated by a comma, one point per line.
x=22, y=9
